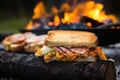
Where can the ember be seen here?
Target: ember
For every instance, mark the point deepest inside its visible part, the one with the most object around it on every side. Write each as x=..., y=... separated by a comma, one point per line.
x=71, y=14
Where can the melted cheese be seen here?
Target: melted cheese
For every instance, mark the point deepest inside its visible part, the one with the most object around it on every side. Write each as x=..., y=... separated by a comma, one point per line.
x=46, y=49
x=49, y=54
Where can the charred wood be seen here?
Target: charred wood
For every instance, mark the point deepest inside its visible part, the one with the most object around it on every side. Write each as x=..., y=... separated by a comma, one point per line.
x=94, y=23
x=24, y=66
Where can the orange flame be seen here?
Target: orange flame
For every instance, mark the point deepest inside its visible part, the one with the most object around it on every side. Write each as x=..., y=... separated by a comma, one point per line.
x=90, y=9
x=39, y=11
x=72, y=15
x=66, y=18
x=95, y=11
x=56, y=20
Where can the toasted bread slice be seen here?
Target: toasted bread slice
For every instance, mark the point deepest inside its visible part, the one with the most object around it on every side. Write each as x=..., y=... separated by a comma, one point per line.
x=70, y=39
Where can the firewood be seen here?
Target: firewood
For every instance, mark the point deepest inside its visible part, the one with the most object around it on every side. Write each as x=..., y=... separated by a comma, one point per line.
x=94, y=23
x=25, y=66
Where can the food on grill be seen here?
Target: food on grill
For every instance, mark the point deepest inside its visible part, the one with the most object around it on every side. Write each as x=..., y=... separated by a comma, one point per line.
x=14, y=42
x=34, y=43
x=64, y=45
x=26, y=41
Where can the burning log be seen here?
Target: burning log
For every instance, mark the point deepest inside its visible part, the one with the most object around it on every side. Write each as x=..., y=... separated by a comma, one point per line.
x=93, y=22
x=92, y=12
x=24, y=66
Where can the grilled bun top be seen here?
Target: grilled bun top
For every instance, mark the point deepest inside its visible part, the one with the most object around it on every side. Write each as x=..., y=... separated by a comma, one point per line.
x=67, y=38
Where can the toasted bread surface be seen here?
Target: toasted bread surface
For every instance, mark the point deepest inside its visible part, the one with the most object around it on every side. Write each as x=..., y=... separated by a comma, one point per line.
x=70, y=39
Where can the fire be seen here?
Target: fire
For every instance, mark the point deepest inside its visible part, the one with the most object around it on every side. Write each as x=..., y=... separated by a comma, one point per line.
x=66, y=18
x=96, y=9
x=96, y=12
x=56, y=20
x=72, y=15
x=39, y=11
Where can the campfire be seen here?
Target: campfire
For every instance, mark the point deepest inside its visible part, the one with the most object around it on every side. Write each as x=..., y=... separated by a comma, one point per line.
x=83, y=15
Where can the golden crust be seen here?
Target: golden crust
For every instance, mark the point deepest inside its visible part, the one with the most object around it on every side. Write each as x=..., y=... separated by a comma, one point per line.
x=69, y=38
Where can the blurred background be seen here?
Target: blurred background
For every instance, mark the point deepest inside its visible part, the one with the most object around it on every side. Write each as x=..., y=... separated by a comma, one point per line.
x=15, y=14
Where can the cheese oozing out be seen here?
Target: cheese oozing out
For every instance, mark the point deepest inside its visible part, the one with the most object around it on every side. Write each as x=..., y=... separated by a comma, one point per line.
x=46, y=49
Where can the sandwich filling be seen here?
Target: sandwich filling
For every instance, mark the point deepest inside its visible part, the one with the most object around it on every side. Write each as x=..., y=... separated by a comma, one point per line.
x=33, y=43
x=70, y=54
